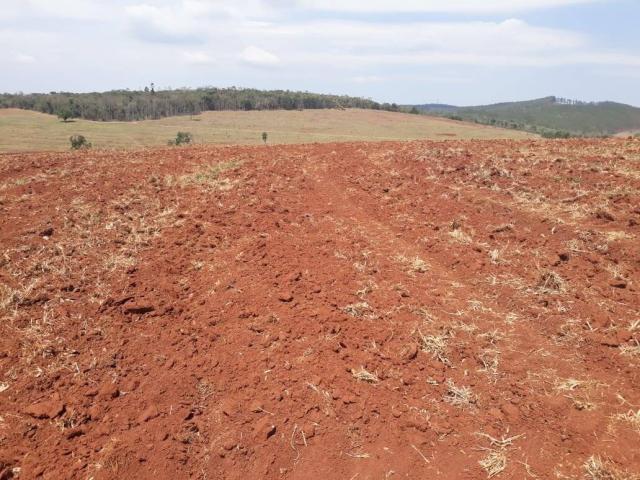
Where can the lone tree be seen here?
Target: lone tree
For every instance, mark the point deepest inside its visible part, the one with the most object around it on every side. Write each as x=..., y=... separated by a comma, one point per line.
x=64, y=114
x=265, y=136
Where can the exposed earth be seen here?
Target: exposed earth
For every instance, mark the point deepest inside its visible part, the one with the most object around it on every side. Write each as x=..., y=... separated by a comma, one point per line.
x=454, y=310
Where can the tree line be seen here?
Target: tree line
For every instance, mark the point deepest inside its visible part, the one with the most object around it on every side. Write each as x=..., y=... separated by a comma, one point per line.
x=128, y=105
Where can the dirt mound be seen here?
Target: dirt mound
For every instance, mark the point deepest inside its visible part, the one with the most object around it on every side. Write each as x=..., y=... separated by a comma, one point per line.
x=358, y=311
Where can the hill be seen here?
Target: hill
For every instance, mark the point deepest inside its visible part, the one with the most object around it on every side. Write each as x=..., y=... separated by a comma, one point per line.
x=550, y=116
x=22, y=130
x=128, y=105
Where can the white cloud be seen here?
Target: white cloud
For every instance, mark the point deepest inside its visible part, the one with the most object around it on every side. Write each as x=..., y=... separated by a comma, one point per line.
x=72, y=9
x=362, y=79
x=259, y=57
x=163, y=23
x=444, y=37
x=197, y=58
x=437, y=6
x=24, y=58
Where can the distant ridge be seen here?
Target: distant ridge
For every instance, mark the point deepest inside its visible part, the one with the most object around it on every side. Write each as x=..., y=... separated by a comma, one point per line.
x=549, y=116
x=130, y=105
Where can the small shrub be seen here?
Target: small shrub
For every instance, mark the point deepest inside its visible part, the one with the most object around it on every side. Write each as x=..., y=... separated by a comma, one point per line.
x=265, y=136
x=182, y=138
x=79, y=142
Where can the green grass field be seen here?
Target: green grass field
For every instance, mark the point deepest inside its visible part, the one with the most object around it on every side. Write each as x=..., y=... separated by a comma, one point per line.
x=22, y=130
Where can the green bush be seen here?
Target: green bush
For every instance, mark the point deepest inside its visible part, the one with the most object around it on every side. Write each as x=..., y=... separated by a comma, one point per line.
x=64, y=114
x=182, y=138
x=555, y=134
x=79, y=142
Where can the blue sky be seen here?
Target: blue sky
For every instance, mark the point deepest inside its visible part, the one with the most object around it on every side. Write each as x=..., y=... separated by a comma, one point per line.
x=408, y=51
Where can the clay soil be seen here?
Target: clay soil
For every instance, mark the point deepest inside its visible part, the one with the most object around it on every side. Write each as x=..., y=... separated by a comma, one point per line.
x=455, y=310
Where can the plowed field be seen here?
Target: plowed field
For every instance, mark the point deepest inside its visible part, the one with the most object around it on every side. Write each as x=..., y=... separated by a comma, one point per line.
x=454, y=310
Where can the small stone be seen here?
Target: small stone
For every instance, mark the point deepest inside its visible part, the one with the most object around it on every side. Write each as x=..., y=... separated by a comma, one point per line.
x=264, y=428
x=285, y=297
x=229, y=445
x=74, y=433
x=309, y=430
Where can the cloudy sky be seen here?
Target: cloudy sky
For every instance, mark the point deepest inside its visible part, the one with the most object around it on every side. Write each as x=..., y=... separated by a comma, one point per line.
x=407, y=51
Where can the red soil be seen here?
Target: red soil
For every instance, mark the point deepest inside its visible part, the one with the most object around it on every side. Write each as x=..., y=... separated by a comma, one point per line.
x=164, y=317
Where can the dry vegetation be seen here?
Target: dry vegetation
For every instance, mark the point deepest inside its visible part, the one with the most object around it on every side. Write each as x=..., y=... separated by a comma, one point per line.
x=30, y=131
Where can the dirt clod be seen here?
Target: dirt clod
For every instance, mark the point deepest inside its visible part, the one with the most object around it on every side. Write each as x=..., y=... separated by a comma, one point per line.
x=46, y=409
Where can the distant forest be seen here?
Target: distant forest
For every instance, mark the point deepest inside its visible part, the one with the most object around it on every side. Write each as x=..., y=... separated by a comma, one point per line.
x=126, y=105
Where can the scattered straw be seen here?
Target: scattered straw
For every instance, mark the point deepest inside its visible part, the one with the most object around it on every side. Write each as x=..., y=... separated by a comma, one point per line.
x=365, y=376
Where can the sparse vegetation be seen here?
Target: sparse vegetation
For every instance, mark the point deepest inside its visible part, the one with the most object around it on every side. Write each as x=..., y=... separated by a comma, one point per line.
x=598, y=469
x=182, y=138
x=461, y=397
x=365, y=376
x=79, y=142
x=551, y=283
x=436, y=346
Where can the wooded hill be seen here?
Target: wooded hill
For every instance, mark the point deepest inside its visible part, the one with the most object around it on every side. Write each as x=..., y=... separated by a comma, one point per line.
x=126, y=105
x=549, y=116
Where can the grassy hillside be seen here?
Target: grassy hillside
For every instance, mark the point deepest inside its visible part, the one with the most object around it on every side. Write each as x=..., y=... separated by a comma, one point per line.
x=549, y=115
x=22, y=130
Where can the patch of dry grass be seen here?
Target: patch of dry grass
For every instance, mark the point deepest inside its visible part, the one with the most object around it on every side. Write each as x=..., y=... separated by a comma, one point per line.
x=210, y=176
x=364, y=375
x=461, y=397
x=631, y=350
x=359, y=309
x=413, y=264
x=459, y=236
x=496, y=460
x=598, y=469
x=631, y=417
x=436, y=346
x=550, y=283
x=494, y=463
